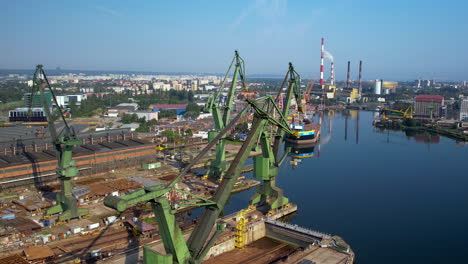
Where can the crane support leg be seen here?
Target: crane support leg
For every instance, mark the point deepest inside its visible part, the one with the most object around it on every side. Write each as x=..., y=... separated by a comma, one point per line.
x=218, y=166
x=268, y=196
x=200, y=234
x=67, y=204
x=171, y=234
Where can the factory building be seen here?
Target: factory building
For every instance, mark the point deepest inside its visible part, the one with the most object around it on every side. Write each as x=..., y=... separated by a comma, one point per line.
x=180, y=108
x=66, y=100
x=122, y=109
x=148, y=115
x=378, y=87
x=23, y=114
x=389, y=87
x=429, y=106
x=464, y=109
x=37, y=164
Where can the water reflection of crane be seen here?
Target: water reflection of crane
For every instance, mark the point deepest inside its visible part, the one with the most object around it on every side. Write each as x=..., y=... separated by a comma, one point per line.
x=357, y=128
x=346, y=126
x=325, y=139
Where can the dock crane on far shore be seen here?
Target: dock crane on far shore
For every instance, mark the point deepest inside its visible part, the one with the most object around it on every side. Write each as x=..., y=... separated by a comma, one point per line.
x=306, y=95
x=63, y=142
x=222, y=114
x=407, y=113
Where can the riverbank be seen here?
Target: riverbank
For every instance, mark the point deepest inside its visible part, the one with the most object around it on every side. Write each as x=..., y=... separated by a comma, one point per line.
x=397, y=125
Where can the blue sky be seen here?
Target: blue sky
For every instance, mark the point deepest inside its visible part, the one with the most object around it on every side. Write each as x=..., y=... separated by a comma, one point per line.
x=396, y=39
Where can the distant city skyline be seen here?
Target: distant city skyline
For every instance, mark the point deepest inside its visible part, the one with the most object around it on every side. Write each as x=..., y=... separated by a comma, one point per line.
x=396, y=40
x=63, y=72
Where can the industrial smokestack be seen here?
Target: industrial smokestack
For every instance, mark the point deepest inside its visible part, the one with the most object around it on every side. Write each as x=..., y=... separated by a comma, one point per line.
x=321, y=62
x=322, y=53
x=332, y=74
x=360, y=77
x=347, y=78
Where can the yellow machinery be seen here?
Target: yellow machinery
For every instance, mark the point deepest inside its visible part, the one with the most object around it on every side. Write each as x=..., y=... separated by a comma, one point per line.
x=408, y=113
x=242, y=221
x=240, y=229
x=160, y=147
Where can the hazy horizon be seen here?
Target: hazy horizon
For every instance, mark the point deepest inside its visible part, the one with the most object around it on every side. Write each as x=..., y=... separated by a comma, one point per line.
x=396, y=40
x=53, y=72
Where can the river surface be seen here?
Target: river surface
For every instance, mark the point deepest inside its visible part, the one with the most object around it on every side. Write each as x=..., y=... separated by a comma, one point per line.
x=393, y=197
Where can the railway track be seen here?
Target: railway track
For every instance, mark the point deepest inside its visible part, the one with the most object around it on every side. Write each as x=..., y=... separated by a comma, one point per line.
x=81, y=248
x=271, y=253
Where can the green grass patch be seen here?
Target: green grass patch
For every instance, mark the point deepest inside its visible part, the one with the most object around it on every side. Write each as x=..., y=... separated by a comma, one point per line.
x=149, y=220
x=45, y=232
x=228, y=141
x=11, y=105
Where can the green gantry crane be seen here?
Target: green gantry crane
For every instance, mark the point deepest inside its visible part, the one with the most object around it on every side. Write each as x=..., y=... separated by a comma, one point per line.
x=269, y=196
x=222, y=114
x=198, y=244
x=63, y=143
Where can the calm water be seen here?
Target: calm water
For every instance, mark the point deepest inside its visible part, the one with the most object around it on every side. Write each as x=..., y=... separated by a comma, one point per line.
x=394, y=198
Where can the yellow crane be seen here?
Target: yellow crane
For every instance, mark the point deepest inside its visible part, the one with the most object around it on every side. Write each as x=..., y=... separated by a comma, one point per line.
x=407, y=113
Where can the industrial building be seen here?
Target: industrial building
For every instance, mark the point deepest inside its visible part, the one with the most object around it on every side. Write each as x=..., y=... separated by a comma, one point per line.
x=22, y=114
x=378, y=87
x=121, y=109
x=66, y=100
x=148, y=115
x=179, y=108
x=32, y=161
x=464, y=109
x=389, y=87
x=429, y=106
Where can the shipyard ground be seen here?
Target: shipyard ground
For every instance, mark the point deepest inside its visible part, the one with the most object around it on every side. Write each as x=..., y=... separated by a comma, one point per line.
x=267, y=250
x=125, y=247
x=262, y=248
x=28, y=205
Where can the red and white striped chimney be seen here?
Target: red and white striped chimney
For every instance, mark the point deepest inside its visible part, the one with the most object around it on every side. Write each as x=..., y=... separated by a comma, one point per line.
x=322, y=54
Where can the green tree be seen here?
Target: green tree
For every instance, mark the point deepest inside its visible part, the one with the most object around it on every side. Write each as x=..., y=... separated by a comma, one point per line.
x=144, y=127
x=167, y=113
x=74, y=108
x=170, y=135
x=127, y=119
x=141, y=120
x=193, y=111
x=190, y=96
x=189, y=132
